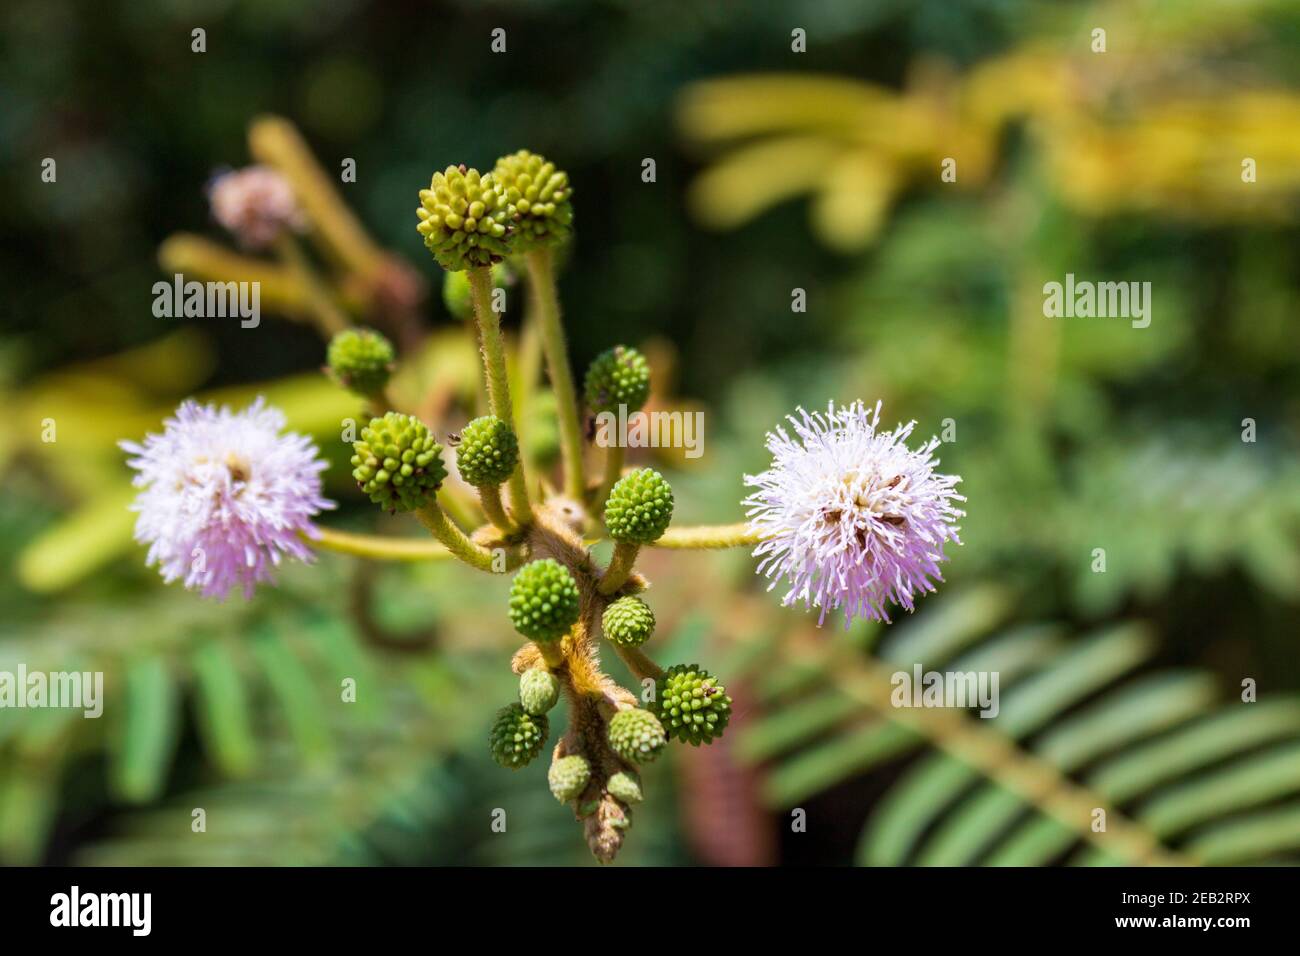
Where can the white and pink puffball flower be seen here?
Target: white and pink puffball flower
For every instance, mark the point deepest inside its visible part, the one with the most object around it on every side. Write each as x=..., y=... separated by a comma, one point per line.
x=225, y=496
x=850, y=516
x=255, y=204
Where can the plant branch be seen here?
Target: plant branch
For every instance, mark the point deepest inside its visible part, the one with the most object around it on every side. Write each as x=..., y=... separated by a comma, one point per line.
x=706, y=537
x=642, y=667
x=541, y=280
x=377, y=547
x=498, y=379
x=457, y=542
x=613, y=471
x=490, y=496
x=620, y=566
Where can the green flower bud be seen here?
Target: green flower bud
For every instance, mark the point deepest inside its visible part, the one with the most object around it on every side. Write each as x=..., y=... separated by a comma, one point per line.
x=456, y=294
x=397, y=462
x=360, y=360
x=543, y=600
x=625, y=786
x=568, y=777
x=517, y=737
x=488, y=451
x=639, y=508
x=539, y=194
x=628, y=621
x=539, y=690
x=464, y=219
x=619, y=376
x=691, y=704
x=636, y=735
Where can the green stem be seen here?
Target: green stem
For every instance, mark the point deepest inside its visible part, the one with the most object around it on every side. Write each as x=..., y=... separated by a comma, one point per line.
x=551, y=654
x=620, y=566
x=378, y=548
x=640, y=665
x=541, y=280
x=490, y=496
x=457, y=542
x=529, y=372
x=498, y=379
x=613, y=471
x=706, y=537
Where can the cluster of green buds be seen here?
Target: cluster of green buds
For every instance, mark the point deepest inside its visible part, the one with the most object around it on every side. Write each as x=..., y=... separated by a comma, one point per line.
x=484, y=229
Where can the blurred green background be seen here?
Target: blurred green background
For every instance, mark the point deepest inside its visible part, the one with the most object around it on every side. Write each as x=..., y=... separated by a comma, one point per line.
x=775, y=170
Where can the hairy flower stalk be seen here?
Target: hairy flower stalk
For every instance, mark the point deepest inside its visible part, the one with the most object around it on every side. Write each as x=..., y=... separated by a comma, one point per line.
x=617, y=382
x=225, y=496
x=851, y=517
x=539, y=195
x=541, y=278
x=465, y=222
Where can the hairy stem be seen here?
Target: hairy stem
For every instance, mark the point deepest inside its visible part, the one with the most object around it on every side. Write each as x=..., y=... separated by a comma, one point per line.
x=551, y=654
x=498, y=380
x=709, y=536
x=541, y=280
x=620, y=566
x=378, y=548
x=457, y=542
x=642, y=667
x=490, y=495
x=529, y=366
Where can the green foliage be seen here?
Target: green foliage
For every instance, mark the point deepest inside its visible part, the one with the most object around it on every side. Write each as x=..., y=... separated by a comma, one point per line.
x=1156, y=748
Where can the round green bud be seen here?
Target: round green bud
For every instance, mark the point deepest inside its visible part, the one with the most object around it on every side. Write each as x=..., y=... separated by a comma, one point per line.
x=517, y=737
x=619, y=376
x=397, y=463
x=539, y=194
x=636, y=735
x=464, y=219
x=456, y=294
x=690, y=703
x=568, y=777
x=539, y=690
x=488, y=451
x=360, y=360
x=640, y=506
x=625, y=786
x=543, y=600
x=628, y=621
